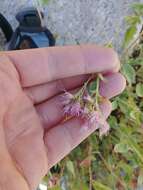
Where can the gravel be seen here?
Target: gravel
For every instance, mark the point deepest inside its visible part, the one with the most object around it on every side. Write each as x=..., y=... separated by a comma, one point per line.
x=78, y=21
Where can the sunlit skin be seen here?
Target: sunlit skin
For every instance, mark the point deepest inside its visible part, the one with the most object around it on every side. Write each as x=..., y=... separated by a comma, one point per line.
x=32, y=136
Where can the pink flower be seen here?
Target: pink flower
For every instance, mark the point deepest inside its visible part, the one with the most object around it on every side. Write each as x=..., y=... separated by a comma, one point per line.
x=66, y=98
x=96, y=117
x=96, y=120
x=85, y=111
x=103, y=130
x=92, y=119
x=67, y=109
x=73, y=109
x=76, y=109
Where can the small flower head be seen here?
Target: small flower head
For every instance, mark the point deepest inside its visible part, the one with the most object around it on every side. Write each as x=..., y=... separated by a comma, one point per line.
x=86, y=106
x=73, y=109
x=67, y=109
x=87, y=98
x=96, y=117
x=91, y=119
x=85, y=111
x=66, y=98
x=76, y=109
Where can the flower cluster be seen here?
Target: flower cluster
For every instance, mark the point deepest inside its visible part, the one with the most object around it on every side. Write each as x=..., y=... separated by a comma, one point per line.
x=83, y=105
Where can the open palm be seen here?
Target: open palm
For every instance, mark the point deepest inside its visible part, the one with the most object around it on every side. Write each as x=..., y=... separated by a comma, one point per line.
x=32, y=136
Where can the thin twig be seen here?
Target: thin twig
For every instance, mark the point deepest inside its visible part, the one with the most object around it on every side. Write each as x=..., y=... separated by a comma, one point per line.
x=90, y=167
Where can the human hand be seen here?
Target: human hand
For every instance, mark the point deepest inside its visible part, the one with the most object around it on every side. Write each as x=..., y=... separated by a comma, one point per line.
x=32, y=136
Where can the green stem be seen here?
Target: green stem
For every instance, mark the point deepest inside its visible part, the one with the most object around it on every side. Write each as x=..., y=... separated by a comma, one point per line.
x=97, y=93
x=80, y=93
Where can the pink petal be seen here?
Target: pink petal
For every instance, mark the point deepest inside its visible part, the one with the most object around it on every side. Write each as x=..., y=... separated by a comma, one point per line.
x=75, y=109
x=103, y=130
x=67, y=109
x=66, y=98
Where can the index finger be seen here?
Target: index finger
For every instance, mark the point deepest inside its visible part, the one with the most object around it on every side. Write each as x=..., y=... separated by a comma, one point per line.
x=38, y=66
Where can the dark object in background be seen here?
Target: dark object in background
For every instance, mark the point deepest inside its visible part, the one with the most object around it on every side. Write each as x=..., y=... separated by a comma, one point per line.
x=29, y=34
x=6, y=28
x=55, y=169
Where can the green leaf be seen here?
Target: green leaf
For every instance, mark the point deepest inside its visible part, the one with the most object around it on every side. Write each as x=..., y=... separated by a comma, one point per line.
x=138, y=8
x=121, y=148
x=113, y=121
x=129, y=73
x=44, y=2
x=84, y=187
x=45, y=179
x=114, y=105
x=129, y=35
x=136, y=148
x=70, y=167
x=124, y=107
x=99, y=186
x=55, y=188
x=92, y=87
x=133, y=114
x=137, y=61
x=109, y=45
x=140, y=72
x=126, y=167
x=139, y=90
x=132, y=20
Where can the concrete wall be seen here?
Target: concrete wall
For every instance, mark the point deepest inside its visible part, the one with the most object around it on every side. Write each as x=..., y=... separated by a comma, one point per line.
x=82, y=21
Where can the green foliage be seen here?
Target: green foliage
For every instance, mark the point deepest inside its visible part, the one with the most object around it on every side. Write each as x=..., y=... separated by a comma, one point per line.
x=121, y=148
x=55, y=188
x=70, y=167
x=138, y=8
x=139, y=90
x=99, y=186
x=114, y=105
x=92, y=87
x=129, y=73
x=44, y=2
x=132, y=22
x=136, y=62
x=131, y=31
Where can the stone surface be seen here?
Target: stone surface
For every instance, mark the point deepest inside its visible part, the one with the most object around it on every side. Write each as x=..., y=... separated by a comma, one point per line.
x=79, y=21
